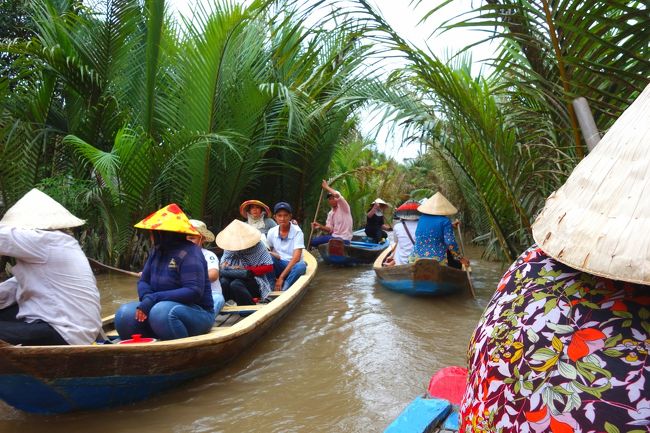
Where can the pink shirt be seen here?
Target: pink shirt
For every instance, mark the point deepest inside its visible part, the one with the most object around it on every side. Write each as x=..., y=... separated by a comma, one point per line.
x=340, y=219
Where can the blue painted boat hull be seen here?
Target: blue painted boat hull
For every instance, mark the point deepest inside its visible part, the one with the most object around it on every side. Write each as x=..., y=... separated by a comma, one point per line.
x=420, y=416
x=33, y=395
x=421, y=288
x=335, y=252
x=58, y=379
x=425, y=277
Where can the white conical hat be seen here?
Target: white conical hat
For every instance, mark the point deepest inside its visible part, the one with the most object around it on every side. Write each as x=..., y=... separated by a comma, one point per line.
x=437, y=204
x=203, y=229
x=599, y=220
x=37, y=210
x=380, y=201
x=238, y=236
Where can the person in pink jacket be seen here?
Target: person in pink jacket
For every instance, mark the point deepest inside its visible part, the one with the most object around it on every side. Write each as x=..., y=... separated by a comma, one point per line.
x=339, y=219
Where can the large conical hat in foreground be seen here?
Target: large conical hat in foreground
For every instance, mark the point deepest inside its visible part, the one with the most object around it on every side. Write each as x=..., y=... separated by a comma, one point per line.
x=238, y=236
x=170, y=218
x=599, y=220
x=37, y=210
x=437, y=204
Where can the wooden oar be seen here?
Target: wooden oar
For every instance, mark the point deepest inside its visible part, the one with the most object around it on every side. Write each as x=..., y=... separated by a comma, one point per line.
x=311, y=233
x=99, y=264
x=466, y=268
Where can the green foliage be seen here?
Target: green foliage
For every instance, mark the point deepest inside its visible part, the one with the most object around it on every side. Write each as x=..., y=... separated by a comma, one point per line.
x=510, y=139
x=237, y=102
x=362, y=174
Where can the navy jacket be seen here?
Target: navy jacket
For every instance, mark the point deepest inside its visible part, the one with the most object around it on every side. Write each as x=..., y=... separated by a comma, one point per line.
x=178, y=272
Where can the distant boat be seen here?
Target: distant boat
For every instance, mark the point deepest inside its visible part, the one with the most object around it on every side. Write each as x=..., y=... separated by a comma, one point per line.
x=359, y=251
x=424, y=277
x=437, y=410
x=57, y=379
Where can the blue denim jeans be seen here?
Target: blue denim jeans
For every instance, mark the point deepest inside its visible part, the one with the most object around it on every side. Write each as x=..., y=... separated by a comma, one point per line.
x=219, y=302
x=167, y=320
x=296, y=271
x=318, y=240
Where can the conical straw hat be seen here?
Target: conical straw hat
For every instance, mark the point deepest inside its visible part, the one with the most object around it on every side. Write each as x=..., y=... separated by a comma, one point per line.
x=203, y=230
x=170, y=218
x=243, y=208
x=380, y=201
x=37, y=210
x=437, y=204
x=238, y=236
x=598, y=221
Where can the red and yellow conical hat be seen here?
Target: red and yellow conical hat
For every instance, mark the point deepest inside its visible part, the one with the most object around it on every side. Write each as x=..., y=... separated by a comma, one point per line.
x=170, y=218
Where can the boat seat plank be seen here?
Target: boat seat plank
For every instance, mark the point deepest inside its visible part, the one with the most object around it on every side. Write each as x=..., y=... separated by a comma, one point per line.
x=228, y=309
x=275, y=294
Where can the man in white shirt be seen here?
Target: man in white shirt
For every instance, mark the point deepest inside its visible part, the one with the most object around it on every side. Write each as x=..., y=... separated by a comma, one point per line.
x=52, y=298
x=287, y=242
x=211, y=259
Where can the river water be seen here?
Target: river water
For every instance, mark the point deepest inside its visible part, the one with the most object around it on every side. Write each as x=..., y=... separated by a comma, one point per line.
x=347, y=359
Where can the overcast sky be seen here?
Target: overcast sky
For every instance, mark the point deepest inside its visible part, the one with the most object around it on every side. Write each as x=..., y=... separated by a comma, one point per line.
x=405, y=21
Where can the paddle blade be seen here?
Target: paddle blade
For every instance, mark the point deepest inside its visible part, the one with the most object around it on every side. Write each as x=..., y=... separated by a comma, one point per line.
x=449, y=383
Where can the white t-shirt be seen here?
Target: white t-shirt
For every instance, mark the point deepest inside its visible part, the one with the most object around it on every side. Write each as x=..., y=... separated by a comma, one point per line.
x=404, y=245
x=285, y=247
x=213, y=263
x=52, y=282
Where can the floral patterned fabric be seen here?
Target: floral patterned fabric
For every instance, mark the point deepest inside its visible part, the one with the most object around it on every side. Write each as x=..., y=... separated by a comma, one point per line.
x=559, y=350
x=433, y=237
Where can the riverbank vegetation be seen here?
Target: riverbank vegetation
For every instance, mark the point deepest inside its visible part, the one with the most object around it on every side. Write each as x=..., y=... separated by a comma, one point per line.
x=119, y=108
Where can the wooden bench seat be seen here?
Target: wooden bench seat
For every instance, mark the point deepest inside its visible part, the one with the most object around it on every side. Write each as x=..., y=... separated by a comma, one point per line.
x=241, y=308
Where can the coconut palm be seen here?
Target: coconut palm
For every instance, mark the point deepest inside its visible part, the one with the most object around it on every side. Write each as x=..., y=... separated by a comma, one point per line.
x=237, y=100
x=511, y=138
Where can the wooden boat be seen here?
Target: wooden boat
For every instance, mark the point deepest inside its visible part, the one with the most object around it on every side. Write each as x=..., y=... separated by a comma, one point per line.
x=56, y=379
x=437, y=410
x=361, y=250
x=424, y=277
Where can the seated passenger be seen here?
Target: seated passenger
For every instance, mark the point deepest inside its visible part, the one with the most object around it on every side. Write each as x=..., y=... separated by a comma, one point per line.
x=563, y=344
x=375, y=225
x=434, y=236
x=339, y=219
x=404, y=233
x=287, y=242
x=246, y=265
x=205, y=236
x=257, y=214
x=52, y=299
x=175, y=298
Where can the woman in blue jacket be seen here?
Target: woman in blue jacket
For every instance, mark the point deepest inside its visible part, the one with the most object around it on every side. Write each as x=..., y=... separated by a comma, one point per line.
x=175, y=298
x=434, y=236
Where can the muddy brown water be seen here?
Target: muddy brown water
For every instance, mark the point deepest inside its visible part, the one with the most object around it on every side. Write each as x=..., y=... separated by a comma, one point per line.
x=347, y=359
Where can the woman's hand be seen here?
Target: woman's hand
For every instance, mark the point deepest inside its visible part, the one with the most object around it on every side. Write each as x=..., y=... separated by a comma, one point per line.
x=316, y=225
x=279, y=282
x=464, y=261
x=140, y=315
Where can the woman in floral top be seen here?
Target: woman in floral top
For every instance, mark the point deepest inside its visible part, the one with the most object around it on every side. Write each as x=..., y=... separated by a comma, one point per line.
x=563, y=345
x=434, y=236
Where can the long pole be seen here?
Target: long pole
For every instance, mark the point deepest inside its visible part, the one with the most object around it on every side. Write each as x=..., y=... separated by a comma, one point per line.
x=467, y=269
x=320, y=199
x=112, y=269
